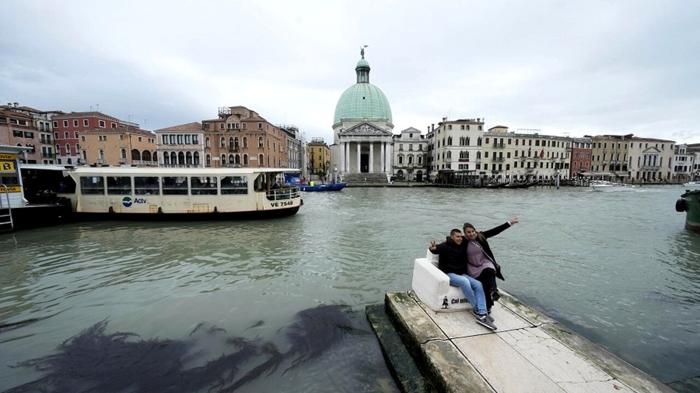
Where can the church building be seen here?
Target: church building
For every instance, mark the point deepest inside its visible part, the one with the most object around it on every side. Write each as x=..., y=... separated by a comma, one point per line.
x=362, y=130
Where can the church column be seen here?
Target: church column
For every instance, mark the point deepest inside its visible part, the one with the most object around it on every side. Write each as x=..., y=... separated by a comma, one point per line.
x=389, y=156
x=342, y=157
x=346, y=148
x=381, y=157
x=371, y=157
x=359, y=161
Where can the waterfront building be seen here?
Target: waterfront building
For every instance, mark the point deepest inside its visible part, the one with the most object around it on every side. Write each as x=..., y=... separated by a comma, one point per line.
x=650, y=160
x=410, y=155
x=25, y=126
x=240, y=137
x=694, y=148
x=295, y=147
x=430, y=155
x=457, y=145
x=96, y=126
x=125, y=144
x=683, y=162
x=362, y=129
x=511, y=156
x=319, y=157
x=581, y=151
x=610, y=156
x=181, y=146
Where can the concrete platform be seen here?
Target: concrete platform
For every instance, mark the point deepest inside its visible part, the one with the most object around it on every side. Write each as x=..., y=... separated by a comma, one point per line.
x=529, y=352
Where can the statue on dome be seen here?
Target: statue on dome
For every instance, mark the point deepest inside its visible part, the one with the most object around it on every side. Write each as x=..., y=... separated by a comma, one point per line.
x=362, y=51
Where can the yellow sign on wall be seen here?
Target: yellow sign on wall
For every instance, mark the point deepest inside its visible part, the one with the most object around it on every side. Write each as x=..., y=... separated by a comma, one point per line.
x=8, y=157
x=7, y=167
x=11, y=188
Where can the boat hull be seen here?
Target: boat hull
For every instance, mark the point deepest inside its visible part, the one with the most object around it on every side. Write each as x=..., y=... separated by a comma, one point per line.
x=323, y=187
x=208, y=216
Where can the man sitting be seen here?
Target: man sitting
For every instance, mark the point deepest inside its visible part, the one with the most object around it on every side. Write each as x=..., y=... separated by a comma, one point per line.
x=453, y=263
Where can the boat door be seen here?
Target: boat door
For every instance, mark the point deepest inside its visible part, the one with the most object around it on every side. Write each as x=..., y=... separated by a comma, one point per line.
x=261, y=185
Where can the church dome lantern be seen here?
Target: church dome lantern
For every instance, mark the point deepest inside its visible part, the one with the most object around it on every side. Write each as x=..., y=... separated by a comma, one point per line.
x=362, y=101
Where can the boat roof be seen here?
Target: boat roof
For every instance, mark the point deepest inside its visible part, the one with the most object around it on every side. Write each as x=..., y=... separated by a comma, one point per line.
x=177, y=171
x=46, y=167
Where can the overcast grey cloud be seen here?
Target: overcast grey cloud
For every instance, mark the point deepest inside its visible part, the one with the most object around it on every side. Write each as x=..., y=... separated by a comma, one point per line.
x=563, y=67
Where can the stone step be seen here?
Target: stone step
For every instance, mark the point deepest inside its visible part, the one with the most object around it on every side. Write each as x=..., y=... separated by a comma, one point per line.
x=357, y=178
x=398, y=359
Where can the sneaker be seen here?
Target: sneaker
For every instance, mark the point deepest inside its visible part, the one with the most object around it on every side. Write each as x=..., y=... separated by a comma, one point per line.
x=490, y=318
x=483, y=320
x=495, y=295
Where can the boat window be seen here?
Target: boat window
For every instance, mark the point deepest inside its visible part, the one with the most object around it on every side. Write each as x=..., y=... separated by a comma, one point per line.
x=149, y=185
x=175, y=185
x=234, y=185
x=118, y=185
x=260, y=183
x=92, y=185
x=203, y=185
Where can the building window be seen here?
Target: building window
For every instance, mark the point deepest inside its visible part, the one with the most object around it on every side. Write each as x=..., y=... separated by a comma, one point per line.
x=65, y=123
x=55, y=124
x=75, y=123
x=102, y=124
x=85, y=123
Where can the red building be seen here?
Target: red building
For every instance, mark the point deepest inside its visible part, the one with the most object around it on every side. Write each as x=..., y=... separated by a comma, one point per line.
x=581, y=150
x=67, y=128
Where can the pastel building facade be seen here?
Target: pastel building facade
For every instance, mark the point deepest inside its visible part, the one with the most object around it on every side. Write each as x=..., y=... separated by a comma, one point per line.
x=240, y=137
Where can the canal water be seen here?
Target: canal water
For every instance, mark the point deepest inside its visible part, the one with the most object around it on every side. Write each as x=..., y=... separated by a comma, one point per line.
x=277, y=305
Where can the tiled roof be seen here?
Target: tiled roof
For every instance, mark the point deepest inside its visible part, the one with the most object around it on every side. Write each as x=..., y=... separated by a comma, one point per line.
x=189, y=127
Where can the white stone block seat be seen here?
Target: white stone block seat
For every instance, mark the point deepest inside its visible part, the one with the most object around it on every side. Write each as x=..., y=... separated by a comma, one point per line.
x=432, y=286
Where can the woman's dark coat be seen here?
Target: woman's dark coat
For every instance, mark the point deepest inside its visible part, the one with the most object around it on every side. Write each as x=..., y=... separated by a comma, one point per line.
x=481, y=238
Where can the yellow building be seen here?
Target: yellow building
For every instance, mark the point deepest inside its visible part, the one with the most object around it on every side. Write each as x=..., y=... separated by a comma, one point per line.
x=119, y=146
x=319, y=157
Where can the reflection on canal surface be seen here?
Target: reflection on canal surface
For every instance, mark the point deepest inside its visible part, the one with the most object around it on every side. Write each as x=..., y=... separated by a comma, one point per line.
x=616, y=267
x=116, y=362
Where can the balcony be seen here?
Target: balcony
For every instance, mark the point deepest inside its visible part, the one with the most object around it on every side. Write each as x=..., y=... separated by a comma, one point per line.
x=233, y=149
x=651, y=167
x=48, y=155
x=499, y=145
x=498, y=159
x=463, y=160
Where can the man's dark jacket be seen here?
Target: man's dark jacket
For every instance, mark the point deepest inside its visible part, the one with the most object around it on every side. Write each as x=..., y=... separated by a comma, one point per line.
x=452, y=257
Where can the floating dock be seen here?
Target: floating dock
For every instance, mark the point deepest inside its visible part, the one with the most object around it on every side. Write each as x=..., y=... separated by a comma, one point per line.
x=429, y=351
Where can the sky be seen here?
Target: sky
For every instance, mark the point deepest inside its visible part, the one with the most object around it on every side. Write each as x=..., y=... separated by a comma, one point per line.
x=568, y=68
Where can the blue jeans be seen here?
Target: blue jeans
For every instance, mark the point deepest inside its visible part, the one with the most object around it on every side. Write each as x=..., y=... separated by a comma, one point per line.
x=472, y=290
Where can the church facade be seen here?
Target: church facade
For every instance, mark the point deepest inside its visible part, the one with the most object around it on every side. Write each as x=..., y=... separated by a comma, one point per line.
x=362, y=129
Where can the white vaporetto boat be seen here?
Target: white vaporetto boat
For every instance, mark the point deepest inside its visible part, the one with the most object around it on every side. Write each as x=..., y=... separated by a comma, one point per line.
x=604, y=185
x=200, y=193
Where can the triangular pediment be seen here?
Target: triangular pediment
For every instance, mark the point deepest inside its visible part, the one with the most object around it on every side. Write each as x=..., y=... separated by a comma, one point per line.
x=651, y=149
x=364, y=129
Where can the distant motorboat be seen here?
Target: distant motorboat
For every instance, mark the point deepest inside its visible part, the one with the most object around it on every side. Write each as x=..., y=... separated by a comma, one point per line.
x=604, y=185
x=692, y=185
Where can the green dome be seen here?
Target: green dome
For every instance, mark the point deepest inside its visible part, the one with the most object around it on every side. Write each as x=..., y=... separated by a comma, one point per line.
x=362, y=101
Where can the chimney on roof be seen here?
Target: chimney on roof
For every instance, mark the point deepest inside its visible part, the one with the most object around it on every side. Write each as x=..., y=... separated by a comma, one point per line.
x=16, y=104
x=432, y=126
